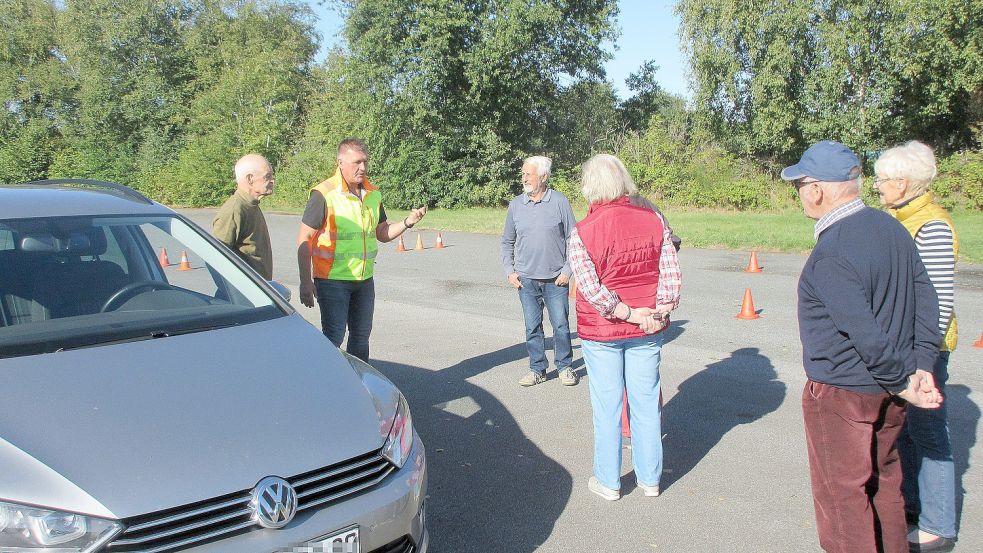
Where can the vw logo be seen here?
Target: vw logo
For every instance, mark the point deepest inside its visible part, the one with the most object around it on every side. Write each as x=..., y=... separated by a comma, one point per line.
x=274, y=502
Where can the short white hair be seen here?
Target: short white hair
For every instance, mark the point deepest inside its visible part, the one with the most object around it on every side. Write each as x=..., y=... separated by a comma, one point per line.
x=913, y=161
x=249, y=164
x=542, y=164
x=604, y=178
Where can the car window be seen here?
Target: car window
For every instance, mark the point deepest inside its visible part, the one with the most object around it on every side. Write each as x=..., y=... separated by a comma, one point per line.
x=75, y=281
x=170, y=253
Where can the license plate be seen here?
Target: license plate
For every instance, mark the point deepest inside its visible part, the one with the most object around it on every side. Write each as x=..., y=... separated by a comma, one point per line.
x=345, y=541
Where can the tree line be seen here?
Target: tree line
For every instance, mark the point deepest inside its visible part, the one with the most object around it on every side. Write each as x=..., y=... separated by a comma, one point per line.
x=164, y=95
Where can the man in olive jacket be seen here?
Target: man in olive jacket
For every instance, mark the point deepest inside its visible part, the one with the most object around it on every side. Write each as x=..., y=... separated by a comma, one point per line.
x=239, y=223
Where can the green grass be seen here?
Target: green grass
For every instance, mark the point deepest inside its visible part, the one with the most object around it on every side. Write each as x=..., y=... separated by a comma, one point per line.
x=786, y=231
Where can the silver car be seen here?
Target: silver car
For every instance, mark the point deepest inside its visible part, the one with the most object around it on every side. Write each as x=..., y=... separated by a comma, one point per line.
x=157, y=395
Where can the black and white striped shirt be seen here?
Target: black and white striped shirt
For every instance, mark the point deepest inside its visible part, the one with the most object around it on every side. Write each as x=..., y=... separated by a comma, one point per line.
x=935, y=246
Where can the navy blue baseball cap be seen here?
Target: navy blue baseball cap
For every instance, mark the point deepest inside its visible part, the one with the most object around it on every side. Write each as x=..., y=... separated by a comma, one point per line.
x=827, y=161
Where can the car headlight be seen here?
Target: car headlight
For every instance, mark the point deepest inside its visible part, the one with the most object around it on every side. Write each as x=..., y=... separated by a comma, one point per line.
x=30, y=529
x=400, y=440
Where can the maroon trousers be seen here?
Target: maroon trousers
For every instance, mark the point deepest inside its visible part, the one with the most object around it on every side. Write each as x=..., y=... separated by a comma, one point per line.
x=856, y=474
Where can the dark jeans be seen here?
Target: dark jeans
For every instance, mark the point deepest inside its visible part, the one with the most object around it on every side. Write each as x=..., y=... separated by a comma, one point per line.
x=929, y=485
x=856, y=474
x=534, y=294
x=347, y=303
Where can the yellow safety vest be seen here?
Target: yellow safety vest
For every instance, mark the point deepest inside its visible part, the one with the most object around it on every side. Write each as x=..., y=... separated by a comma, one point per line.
x=345, y=246
x=913, y=216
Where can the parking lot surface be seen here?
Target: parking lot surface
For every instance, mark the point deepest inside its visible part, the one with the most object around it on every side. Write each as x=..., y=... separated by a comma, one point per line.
x=509, y=465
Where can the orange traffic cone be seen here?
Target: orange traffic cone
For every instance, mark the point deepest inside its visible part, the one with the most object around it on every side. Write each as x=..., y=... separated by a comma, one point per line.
x=752, y=264
x=164, y=262
x=979, y=343
x=184, y=266
x=401, y=246
x=440, y=241
x=419, y=242
x=747, y=307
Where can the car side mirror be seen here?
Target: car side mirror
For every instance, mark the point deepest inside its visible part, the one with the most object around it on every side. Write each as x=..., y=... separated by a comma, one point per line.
x=280, y=289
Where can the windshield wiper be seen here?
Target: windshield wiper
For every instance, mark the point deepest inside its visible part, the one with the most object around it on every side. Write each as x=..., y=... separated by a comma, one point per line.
x=192, y=330
x=149, y=336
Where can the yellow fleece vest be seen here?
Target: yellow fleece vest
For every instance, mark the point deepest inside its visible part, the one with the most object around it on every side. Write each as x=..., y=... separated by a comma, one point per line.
x=913, y=216
x=345, y=246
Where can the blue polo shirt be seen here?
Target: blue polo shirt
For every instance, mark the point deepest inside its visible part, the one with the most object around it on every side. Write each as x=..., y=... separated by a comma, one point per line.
x=534, y=241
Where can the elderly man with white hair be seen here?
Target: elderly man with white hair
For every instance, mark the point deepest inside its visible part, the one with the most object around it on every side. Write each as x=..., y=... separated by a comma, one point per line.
x=868, y=321
x=534, y=259
x=239, y=223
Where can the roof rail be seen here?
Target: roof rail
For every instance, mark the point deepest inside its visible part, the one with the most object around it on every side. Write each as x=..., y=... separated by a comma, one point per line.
x=133, y=194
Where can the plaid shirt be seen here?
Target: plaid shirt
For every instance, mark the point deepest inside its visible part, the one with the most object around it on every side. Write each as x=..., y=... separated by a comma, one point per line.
x=835, y=215
x=605, y=300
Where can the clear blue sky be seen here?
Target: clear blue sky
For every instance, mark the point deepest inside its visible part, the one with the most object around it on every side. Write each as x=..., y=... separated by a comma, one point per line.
x=649, y=31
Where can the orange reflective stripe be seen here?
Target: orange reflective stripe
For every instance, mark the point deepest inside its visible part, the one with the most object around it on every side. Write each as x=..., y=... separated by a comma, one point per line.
x=322, y=255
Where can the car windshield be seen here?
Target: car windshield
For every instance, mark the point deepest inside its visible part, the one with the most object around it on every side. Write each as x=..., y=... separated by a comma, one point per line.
x=74, y=282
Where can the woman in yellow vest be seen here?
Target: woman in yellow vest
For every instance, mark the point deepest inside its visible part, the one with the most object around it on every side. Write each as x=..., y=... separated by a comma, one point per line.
x=904, y=174
x=337, y=246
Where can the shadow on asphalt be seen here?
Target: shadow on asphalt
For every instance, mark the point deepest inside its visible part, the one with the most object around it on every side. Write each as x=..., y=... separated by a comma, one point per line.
x=738, y=390
x=486, y=477
x=964, y=416
x=674, y=331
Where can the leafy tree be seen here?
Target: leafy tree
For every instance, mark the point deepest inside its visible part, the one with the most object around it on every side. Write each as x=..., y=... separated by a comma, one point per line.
x=35, y=87
x=774, y=76
x=470, y=85
x=583, y=121
x=251, y=63
x=648, y=99
x=129, y=74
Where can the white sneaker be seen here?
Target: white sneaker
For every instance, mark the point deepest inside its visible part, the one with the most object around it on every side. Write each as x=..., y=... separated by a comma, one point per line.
x=602, y=490
x=568, y=377
x=531, y=379
x=650, y=491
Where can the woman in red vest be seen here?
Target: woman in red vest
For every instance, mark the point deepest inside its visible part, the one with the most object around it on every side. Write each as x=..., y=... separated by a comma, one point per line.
x=628, y=281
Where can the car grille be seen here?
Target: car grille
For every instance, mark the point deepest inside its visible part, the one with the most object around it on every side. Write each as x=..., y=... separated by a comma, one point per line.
x=183, y=527
x=402, y=545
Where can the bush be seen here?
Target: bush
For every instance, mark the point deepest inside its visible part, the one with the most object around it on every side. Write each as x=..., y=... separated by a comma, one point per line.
x=700, y=174
x=960, y=180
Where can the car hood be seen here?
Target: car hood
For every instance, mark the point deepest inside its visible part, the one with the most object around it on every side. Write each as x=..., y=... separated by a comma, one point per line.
x=134, y=428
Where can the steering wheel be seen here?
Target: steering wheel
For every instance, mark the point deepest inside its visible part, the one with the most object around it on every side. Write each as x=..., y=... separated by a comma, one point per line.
x=131, y=290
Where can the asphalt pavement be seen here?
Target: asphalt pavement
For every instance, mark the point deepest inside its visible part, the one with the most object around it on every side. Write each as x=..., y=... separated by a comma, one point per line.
x=509, y=465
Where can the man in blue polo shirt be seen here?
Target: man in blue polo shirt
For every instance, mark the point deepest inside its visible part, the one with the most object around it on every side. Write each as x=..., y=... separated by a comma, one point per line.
x=868, y=320
x=534, y=258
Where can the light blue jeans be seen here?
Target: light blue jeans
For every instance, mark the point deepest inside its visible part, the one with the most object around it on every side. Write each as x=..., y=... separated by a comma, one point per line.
x=929, y=484
x=612, y=367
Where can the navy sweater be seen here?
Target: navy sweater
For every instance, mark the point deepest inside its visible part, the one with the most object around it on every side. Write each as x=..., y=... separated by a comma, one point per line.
x=868, y=314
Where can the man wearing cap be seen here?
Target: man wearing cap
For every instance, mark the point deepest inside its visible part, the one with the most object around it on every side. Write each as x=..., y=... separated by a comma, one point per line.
x=868, y=319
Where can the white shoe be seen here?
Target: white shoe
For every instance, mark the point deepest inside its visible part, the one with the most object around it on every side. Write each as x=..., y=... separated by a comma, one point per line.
x=650, y=491
x=602, y=490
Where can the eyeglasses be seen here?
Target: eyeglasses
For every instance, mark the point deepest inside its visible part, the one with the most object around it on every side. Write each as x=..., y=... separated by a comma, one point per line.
x=877, y=182
x=799, y=183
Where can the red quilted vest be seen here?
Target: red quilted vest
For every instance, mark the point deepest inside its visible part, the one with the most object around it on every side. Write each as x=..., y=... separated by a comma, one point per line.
x=625, y=244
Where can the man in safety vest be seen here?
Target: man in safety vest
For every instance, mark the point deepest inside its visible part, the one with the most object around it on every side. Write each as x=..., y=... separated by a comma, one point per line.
x=336, y=248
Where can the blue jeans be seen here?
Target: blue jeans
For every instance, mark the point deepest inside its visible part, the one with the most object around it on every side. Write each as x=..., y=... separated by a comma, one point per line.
x=611, y=368
x=929, y=484
x=533, y=295
x=347, y=303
